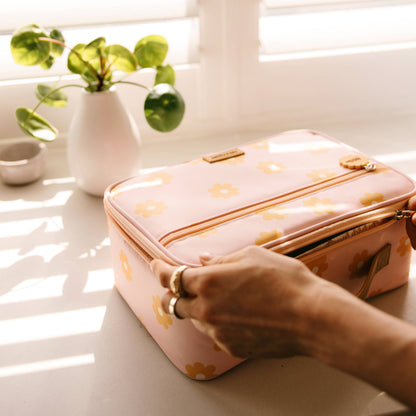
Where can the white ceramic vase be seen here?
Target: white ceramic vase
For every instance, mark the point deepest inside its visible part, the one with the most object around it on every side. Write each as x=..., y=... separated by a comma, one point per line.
x=103, y=142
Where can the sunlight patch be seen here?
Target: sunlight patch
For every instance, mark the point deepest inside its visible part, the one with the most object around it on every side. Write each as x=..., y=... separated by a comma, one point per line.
x=38, y=366
x=50, y=326
x=35, y=289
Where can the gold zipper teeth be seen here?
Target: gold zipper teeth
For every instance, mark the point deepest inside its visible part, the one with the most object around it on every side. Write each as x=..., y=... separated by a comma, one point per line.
x=204, y=225
x=150, y=250
x=134, y=237
x=340, y=226
x=144, y=253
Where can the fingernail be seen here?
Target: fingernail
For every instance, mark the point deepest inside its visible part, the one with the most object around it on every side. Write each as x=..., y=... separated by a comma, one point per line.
x=206, y=256
x=151, y=265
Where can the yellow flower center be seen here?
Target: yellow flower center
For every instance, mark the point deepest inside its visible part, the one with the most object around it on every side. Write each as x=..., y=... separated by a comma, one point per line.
x=274, y=167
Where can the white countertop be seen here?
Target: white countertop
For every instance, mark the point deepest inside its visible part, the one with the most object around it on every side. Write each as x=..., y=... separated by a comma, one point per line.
x=69, y=345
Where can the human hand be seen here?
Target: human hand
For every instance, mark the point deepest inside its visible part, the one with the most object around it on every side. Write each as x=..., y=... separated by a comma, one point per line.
x=251, y=303
x=256, y=303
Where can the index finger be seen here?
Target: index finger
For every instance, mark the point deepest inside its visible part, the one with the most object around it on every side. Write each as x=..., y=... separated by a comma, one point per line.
x=189, y=276
x=163, y=271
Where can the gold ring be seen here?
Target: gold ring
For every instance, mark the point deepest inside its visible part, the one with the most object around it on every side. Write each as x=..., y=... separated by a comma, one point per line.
x=172, y=307
x=175, y=282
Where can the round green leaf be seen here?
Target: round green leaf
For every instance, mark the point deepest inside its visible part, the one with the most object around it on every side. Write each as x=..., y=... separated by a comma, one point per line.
x=51, y=96
x=34, y=125
x=92, y=50
x=121, y=58
x=165, y=75
x=151, y=51
x=164, y=108
x=75, y=63
x=57, y=49
x=26, y=48
x=48, y=62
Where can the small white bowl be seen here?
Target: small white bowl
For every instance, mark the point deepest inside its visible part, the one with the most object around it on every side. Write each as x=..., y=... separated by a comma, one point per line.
x=22, y=162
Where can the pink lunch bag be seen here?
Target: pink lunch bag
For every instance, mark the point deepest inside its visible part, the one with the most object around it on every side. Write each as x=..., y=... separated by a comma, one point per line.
x=300, y=193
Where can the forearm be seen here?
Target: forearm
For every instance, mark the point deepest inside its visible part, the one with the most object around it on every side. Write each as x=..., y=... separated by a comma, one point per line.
x=355, y=337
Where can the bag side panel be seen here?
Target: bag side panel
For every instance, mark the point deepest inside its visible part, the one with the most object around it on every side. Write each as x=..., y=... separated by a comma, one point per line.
x=347, y=263
x=192, y=352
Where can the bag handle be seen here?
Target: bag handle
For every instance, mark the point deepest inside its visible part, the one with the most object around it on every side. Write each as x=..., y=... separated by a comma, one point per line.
x=380, y=260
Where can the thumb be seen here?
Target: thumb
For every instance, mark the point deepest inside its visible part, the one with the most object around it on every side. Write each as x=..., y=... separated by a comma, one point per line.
x=207, y=258
x=412, y=202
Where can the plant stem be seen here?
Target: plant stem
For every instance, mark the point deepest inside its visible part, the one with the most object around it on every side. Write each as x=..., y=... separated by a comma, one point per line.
x=104, y=71
x=132, y=83
x=48, y=95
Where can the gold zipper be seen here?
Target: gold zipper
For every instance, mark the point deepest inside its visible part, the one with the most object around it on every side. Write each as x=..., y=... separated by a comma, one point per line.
x=149, y=250
x=337, y=227
x=253, y=208
x=138, y=240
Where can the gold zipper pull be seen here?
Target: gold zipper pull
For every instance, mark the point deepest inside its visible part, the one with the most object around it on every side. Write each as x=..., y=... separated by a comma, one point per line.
x=410, y=227
x=357, y=162
x=370, y=166
x=404, y=213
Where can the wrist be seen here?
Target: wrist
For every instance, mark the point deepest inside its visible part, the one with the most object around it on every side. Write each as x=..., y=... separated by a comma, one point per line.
x=321, y=311
x=340, y=328
x=351, y=335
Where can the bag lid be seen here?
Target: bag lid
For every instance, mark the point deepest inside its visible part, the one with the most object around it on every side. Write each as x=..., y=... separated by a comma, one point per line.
x=269, y=190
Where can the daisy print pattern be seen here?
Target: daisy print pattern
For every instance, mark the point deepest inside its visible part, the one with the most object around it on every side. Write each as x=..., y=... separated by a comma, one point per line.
x=163, y=318
x=404, y=246
x=223, y=191
x=321, y=175
x=371, y=199
x=158, y=178
x=267, y=236
x=207, y=233
x=125, y=266
x=271, y=167
x=359, y=264
x=260, y=145
x=149, y=208
x=320, y=206
x=274, y=213
x=200, y=371
x=318, y=266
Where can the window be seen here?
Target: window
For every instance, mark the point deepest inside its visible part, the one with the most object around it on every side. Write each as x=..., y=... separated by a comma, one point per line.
x=317, y=27
x=81, y=21
x=240, y=64
x=332, y=59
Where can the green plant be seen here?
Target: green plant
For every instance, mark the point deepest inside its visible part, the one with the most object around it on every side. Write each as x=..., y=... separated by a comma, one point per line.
x=96, y=63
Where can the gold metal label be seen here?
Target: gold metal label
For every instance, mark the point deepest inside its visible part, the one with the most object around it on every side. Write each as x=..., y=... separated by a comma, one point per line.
x=227, y=154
